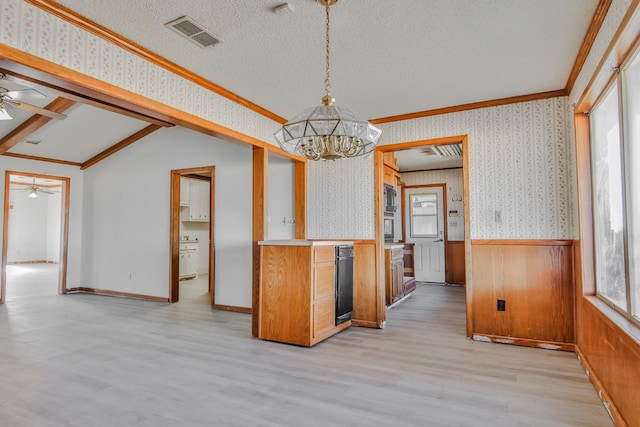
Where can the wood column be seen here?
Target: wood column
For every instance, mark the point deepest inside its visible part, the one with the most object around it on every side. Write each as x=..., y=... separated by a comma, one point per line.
x=300, y=200
x=260, y=170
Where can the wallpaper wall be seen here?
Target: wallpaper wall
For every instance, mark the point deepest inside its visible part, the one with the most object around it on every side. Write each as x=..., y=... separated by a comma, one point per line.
x=30, y=29
x=454, y=183
x=519, y=164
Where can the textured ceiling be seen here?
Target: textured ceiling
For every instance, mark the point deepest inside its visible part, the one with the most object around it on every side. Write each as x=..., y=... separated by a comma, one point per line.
x=388, y=57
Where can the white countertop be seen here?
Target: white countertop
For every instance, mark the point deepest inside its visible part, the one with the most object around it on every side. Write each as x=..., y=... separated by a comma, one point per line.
x=303, y=242
x=394, y=245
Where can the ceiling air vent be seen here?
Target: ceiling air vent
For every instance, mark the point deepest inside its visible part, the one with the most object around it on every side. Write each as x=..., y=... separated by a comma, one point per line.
x=33, y=141
x=451, y=150
x=193, y=31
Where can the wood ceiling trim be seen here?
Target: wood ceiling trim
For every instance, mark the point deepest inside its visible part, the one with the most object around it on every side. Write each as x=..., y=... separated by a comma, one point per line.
x=587, y=43
x=33, y=123
x=471, y=106
x=42, y=159
x=29, y=184
x=30, y=68
x=104, y=33
x=120, y=145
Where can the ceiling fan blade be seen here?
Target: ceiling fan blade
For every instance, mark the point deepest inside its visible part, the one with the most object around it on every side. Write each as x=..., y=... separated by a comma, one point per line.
x=44, y=190
x=34, y=109
x=23, y=94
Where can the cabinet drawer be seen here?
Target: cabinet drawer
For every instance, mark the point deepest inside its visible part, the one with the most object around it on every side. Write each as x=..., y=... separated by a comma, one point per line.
x=397, y=253
x=324, y=317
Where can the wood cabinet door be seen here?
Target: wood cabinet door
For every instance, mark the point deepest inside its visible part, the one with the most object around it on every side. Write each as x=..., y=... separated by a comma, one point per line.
x=397, y=274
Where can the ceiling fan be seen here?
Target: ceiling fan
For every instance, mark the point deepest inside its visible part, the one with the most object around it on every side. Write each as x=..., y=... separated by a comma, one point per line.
x=34, y=190
x=14, y=98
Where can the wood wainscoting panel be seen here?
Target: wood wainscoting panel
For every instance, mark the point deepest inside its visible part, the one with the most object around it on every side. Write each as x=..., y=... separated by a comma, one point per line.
x=537, y=284
x=455, y=262
x=365, y=290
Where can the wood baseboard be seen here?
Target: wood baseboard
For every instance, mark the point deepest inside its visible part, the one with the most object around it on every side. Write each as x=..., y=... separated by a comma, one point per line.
x=37, y=261
x=602, y=392
x=547, y=345
x=365, y=324
x=246, y=310
x=116, y=294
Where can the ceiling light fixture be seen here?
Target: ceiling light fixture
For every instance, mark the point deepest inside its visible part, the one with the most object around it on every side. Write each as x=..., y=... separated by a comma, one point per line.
x=328, y=132
x=33, y=192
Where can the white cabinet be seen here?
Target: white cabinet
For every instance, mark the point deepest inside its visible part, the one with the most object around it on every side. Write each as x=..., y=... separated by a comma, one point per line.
x=188, y=265
x=197, y=209
x=184, y=191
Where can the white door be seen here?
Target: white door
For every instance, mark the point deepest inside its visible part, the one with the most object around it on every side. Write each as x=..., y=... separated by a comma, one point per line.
x=424, y=226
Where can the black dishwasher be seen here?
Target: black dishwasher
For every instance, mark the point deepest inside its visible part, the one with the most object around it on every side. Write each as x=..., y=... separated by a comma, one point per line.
x=344, y=283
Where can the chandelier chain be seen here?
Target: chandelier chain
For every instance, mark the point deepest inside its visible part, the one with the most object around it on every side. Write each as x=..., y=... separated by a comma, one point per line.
x=327, y=81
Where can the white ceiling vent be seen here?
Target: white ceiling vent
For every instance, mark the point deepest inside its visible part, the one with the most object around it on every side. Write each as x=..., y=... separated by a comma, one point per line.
x=193, y=31
x=33, y=141
x=451, y=150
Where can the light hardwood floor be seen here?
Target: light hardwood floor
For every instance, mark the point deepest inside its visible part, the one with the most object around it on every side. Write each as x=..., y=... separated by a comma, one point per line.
x=86, y=360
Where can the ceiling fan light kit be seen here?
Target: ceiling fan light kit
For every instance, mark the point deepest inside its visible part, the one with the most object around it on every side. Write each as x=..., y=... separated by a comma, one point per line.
x=13, y=99
x=328, y=132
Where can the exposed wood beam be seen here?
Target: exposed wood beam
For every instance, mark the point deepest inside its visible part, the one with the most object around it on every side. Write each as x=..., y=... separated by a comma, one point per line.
x=589, y=38
x=84, y=99
x=120, y=145
x=32, y=124
x=42, y=159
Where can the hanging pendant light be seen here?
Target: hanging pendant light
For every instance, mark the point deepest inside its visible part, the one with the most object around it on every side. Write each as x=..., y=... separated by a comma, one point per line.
x=328, y=132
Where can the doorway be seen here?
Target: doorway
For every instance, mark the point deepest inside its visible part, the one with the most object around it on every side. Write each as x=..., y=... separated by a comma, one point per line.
x=457, y=252
x=192, y=233
x=35, y=233
x=424, y=207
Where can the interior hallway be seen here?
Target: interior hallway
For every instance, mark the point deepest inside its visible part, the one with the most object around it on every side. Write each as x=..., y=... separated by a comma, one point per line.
x=80, y=360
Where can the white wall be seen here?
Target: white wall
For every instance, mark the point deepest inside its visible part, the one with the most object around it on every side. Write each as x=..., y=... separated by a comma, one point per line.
x=127, y=215
x=27, y=228
x=74, y=254
x=455, y=189
x=54, y=226
x=280, y=198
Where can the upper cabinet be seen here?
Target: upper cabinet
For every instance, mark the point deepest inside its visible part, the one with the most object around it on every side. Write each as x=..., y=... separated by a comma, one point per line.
x=197, y=209
x=391, y=172
x=184, y=191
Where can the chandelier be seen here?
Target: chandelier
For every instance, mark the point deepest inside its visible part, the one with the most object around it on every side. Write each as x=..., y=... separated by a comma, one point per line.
x=328, y=132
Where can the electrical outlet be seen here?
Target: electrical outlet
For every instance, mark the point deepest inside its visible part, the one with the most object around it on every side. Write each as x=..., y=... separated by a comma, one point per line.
x=498, y=216
x=502, y=305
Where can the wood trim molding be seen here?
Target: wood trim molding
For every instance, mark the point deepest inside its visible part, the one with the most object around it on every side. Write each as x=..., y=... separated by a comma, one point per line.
x=587, y=42
x=547, y=345
x=42, y=159
x=623, y=41
x=300, y=200
x=120, y=145
x=259, y=228
x=106, y=292
x=39, y=71
x=277, y=150
x=35, y=261
x=471, y=106
x=246, y=310
x=106, y=34
x=28, y=184
x=532, y=242
x=604, y=396
x=422, y=142
x=33, y=123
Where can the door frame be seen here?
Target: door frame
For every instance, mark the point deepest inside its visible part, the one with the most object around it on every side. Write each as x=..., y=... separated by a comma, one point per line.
x=378, y=174
x=64, y=229
x=444, y=218
x=174, y=233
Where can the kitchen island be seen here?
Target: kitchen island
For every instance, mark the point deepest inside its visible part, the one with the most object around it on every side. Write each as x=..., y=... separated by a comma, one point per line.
x=297, y=300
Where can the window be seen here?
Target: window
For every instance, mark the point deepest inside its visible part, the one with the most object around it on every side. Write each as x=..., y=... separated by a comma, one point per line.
x=424, y=215
x=615, y=159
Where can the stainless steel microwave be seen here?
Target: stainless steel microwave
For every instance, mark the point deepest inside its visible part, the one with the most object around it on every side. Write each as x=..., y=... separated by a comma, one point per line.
x=389, y=200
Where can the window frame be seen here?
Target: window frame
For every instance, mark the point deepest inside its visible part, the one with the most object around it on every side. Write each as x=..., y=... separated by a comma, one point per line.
x=616, y=79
